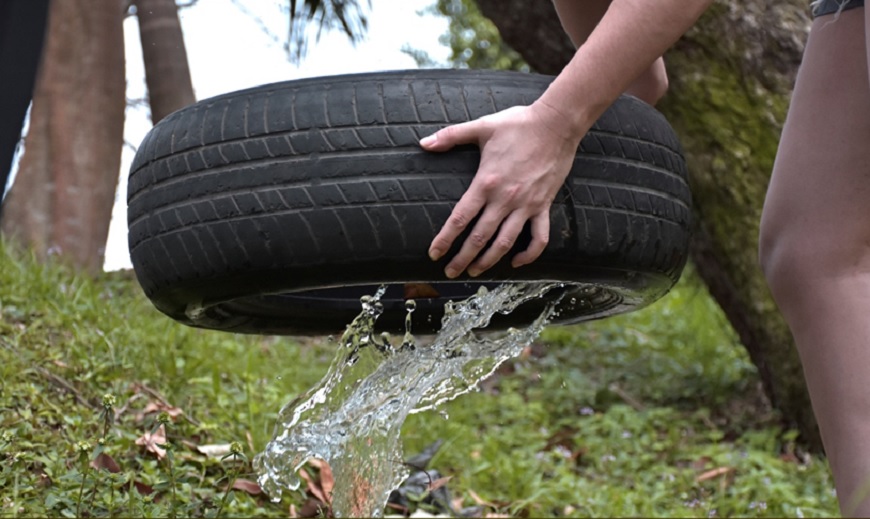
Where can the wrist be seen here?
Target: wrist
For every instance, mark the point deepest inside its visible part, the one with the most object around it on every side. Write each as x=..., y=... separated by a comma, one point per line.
x=569, y=123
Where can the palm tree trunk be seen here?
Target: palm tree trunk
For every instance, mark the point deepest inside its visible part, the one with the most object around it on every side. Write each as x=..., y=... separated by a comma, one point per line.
x=63, y=196
x=167, y=73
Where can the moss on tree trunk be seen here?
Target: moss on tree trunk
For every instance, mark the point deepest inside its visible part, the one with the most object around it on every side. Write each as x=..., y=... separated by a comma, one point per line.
x=731, y=78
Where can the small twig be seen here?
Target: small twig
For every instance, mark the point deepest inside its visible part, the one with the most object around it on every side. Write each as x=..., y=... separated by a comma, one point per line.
x=63, y=384
x=628, y=399
x=153, y=393
x=126, y=405
x=257, y=20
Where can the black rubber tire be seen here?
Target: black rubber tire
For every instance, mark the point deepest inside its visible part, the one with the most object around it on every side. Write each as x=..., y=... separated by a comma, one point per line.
x=272, y=210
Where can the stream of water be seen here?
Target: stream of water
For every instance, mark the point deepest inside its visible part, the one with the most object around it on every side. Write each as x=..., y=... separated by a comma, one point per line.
x=352, y=419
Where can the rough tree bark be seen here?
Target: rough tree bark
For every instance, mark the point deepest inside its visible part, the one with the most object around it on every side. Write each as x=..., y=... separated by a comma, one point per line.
x=62, y=198
x=730, y=80
x=167, y=73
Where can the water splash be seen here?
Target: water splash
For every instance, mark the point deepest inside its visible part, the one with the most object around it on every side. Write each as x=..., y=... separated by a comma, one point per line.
x=353, y=417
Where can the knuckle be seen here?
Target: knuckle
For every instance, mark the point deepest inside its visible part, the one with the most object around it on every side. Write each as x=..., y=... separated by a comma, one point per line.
x=489, y=183
x=478, y=239
x=458, y=220
x=503, y=244
x=513, y=192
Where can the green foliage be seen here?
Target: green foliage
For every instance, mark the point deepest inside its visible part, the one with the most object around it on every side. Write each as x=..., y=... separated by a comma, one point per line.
x=626, y=416
x=474, y=41
x=346, y=15
x=81, y=361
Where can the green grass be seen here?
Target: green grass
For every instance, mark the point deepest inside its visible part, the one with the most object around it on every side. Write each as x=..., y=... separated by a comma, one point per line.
x=626, y=416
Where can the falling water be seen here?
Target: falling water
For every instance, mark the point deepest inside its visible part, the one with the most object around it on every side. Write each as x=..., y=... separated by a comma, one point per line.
x=353, y=417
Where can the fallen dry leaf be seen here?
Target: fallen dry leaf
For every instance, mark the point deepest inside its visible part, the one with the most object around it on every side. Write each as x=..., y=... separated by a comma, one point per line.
x=155, y=406
x=701, y=463
x=151, y=441
x=479, y=500
x=104, y=461
x=214, y=451
x=438, y=483
x=312, y=486
x=327, y=480
x=714, y=473
x=142, y=488
x=246, y=485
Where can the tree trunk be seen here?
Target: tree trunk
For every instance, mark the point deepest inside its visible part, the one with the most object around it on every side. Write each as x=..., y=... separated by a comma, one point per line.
x=167, y=73
x=730, y=81
x=62, y=198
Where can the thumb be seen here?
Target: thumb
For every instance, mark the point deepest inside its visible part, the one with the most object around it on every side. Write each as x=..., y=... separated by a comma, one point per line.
x=470, y=132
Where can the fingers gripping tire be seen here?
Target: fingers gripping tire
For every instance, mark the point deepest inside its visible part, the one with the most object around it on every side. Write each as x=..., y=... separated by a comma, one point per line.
x=272, y=210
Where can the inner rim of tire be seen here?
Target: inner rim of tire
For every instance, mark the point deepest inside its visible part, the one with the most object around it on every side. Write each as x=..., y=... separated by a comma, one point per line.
x=579, y=302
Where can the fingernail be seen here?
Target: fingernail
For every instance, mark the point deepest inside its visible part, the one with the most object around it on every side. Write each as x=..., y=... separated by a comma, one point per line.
x=430, y=140
x=434, y=254
x=451, y=272
x=473, y=273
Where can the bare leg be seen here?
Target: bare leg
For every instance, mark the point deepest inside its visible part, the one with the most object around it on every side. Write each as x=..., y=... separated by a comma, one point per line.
x=815, y=243
x=579, y=18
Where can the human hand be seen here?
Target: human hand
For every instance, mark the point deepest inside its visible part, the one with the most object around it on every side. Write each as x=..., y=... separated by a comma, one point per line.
x=526, y=153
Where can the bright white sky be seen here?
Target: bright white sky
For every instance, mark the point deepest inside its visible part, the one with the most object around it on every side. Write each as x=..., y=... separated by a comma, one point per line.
x=228, y=50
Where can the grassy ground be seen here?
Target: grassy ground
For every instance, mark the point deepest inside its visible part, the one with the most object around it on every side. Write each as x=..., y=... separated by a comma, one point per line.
x=655, y=413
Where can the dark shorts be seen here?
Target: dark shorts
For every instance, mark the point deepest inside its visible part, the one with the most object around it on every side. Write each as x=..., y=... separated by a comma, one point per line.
x=833, y=6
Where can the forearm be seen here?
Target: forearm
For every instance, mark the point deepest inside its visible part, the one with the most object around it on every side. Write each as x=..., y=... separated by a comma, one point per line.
x=631, y=35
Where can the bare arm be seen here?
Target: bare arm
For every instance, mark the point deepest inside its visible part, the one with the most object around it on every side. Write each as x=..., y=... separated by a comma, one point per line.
x=631, y=35
x=526, y=152
x=579, y=17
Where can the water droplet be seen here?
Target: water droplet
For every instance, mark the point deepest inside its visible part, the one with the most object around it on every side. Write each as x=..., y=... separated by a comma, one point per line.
x=410, y=305
x=573, y=301
x=444, y=414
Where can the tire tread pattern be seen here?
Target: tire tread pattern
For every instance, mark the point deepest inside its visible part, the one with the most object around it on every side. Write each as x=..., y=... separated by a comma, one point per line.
x=329, y=170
